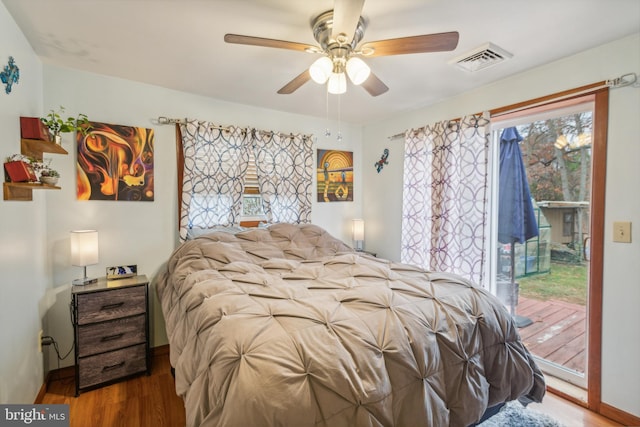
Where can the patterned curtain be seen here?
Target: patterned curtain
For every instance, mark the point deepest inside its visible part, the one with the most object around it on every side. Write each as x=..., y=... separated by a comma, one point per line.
x=215, y=163
x=444, y=222
x=285, y=169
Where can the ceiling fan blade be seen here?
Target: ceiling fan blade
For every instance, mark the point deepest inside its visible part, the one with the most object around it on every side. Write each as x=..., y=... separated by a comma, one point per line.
x=374, y=85
x=346, y=14
x=259, y=41
x=294, y=84
x=439, y=42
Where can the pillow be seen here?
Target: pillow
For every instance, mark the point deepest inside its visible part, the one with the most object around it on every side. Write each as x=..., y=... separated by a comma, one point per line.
x=192, y=233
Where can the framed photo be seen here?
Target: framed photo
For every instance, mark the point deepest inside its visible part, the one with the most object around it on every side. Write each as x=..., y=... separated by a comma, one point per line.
x=19, y=171
x=121, y=271
x=33, y=128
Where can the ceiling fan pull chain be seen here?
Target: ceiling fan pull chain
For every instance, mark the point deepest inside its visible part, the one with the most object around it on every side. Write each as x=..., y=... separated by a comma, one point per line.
x=339, y=136
x=327, y=131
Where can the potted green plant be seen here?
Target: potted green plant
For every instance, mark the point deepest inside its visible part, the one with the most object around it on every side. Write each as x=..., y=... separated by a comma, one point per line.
x=49, y=176
x=56, y=124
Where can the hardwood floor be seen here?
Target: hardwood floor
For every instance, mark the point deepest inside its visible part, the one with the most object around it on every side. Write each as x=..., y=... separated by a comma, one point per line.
x=138, y=402
x=150, y=401
x=570, y=414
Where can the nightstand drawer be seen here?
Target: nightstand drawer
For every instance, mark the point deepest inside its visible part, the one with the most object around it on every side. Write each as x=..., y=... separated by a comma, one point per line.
x=111, y=335
x=111, y=304
x=113, y=365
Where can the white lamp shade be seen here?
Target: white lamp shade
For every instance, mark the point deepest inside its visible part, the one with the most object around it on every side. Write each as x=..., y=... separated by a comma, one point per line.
x=358, y=71
x=358, y=230
x=337, y=83
x=321, y=69
x=84, y=247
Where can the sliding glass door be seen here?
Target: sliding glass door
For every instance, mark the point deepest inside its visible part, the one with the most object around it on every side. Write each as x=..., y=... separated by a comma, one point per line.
x=544, y=280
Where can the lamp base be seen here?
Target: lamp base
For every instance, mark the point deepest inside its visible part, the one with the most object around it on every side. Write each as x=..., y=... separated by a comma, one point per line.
x=83, y=281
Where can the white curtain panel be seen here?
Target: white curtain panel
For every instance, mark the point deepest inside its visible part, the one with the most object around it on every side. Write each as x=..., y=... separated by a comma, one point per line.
x=445, y=196
x=215, y=163
x=285, y=169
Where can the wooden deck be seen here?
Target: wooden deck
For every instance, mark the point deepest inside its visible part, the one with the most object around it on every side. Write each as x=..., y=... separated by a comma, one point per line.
x=557, y=333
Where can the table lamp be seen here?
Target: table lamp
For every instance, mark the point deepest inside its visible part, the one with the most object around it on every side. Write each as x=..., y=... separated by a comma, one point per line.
x=84, y=251
x=358, y=234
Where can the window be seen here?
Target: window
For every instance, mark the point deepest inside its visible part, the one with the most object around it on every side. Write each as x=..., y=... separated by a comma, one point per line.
x=213, y=186
x=567, y=224
x=252, y=208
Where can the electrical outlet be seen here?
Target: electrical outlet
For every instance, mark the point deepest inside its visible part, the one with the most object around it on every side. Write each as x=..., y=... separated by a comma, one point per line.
x=622, y=232
x=40, y=341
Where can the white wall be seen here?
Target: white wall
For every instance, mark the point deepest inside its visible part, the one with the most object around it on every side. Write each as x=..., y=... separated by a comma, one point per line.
x=382, y=202
x=22, y=232
x=34, y=236
x=145, y=233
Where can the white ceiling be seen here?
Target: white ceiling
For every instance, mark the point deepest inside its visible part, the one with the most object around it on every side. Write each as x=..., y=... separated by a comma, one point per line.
x=178, y=44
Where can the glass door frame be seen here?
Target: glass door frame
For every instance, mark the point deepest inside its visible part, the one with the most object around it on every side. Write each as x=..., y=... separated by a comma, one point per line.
x=599, y=94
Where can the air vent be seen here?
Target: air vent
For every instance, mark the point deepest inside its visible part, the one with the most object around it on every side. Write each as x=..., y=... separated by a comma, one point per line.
x=482, y=57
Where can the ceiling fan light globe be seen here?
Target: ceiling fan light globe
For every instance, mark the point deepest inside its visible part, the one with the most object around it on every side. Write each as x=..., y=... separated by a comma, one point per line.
x=337, y=83
x=358, y=71
x=321, y=69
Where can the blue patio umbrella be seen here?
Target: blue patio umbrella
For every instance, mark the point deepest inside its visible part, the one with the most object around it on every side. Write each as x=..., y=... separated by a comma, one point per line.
x=516, y=217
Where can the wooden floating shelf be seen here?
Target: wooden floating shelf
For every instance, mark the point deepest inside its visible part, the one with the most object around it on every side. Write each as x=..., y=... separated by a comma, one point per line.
x=23, y=191
x=35, y=148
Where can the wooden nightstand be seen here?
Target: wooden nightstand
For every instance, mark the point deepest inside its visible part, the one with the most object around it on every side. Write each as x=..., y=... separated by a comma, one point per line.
x=111, y=326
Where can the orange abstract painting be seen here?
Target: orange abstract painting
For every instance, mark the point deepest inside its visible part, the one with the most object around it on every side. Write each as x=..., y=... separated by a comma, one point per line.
x=115, y=163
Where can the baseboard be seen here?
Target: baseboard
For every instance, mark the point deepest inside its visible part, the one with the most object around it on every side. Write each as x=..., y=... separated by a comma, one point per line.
x=605, y=410
x=70, y=371
x=618, y=415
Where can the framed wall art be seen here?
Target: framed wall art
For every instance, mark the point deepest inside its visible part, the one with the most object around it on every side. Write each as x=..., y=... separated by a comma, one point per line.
x=115, y=162
x=335, y=176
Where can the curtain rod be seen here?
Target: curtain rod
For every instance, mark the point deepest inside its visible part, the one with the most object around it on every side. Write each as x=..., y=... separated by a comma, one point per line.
x=170, y=121
x=622, y=81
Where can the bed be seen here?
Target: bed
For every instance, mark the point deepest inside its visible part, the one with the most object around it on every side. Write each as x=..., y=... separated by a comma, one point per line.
x=288, y=326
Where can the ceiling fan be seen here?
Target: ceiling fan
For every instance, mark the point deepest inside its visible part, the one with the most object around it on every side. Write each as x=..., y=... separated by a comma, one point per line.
x=338, y=33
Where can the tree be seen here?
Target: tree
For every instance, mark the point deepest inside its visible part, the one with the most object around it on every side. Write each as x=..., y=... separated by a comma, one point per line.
x=558, y=173
x=557, y=155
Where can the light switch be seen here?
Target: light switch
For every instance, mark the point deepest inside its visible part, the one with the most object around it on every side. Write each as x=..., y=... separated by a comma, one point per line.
x=622, y=232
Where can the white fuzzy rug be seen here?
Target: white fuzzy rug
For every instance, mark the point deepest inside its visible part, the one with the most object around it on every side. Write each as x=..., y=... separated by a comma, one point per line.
x=516, y=415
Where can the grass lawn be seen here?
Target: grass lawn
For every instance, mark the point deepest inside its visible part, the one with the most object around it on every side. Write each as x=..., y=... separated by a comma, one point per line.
x=565, y=282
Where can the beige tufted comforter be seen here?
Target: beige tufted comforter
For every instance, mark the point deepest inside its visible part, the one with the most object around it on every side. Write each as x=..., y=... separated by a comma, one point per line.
x=287, y=326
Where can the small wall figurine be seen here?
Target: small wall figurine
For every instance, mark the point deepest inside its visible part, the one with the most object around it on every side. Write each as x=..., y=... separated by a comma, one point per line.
x=383, y=160
x=10, y=75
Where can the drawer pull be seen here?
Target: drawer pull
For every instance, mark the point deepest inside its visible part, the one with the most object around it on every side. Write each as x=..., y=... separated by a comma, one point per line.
x=112, y=337
x=112, y=367
x=112, y=306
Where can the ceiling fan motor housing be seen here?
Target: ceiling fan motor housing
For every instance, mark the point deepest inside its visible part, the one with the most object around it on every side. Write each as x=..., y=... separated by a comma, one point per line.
x=341, y=48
